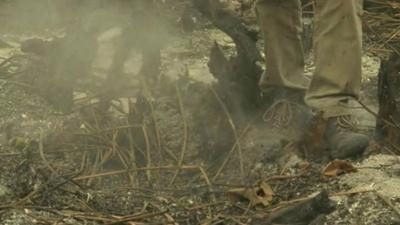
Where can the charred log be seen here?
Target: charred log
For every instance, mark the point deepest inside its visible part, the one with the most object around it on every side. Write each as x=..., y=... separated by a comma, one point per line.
x=305, y=212
x=238, y=76
x=387, y=129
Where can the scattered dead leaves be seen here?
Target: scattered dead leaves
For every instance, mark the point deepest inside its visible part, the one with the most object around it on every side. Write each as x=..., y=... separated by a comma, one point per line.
x=337, y=168
x=262, y=194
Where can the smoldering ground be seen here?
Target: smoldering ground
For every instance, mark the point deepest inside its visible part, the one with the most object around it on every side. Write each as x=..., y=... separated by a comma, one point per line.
x=104, y=120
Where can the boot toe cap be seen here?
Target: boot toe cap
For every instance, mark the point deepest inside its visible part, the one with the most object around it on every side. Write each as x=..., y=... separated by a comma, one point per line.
x=350, y=146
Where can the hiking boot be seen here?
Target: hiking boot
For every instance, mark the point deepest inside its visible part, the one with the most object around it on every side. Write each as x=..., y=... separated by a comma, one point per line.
x=341, y=138
x=285, y=106
x=333, y=138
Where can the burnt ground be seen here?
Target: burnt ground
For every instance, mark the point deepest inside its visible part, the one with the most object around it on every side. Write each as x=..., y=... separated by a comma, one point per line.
x=167, y=153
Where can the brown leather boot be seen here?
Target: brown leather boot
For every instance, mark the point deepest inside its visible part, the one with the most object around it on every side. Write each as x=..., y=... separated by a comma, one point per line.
x=312, y=144
x=333, y=138
x=342, y=139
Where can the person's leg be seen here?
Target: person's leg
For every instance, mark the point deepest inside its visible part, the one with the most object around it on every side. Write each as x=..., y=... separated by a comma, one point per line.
x=337, y=78
x=281, y=25
x=337, y=46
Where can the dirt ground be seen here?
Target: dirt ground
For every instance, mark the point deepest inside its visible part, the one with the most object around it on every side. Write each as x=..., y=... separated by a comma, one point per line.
x=167, y=153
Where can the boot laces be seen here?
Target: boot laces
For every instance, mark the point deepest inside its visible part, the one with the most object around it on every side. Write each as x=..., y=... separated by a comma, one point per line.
x=280, y=114
x=346, y=123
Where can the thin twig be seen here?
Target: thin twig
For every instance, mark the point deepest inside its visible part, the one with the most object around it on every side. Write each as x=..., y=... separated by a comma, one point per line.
x=232, y=124
x=117, y=172
x=295, y=201
x=158, y=135
x=376, y=115
x=205, y=206
x=148, y=155
x=42, y=155
x=185, y=134
x=137, y=217
x=227, y=157
x=132, y=152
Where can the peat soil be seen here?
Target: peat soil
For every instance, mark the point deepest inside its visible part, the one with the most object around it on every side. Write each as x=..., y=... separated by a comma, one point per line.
x=169, y=153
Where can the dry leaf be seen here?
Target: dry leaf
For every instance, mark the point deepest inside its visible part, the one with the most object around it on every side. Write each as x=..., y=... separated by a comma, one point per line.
x=304, y=166
x=259, y=195
x=337, y=168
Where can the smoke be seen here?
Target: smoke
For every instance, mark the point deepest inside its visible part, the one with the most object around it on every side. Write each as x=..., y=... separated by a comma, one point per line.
x=87, y=36
x=26, y=16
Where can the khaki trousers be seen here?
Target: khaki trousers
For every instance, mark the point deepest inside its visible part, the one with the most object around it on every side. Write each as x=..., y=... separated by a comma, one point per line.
x=337, y=49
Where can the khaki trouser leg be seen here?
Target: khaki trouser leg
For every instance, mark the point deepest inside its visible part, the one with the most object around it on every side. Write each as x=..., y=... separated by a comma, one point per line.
x=281, y=25
x=338, y=51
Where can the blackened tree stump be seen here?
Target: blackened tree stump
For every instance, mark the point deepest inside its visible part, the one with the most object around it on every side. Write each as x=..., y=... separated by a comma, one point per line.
x=237, y=76
x=387, y=128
